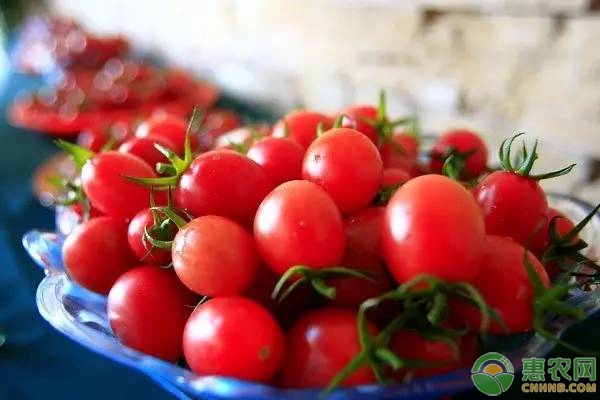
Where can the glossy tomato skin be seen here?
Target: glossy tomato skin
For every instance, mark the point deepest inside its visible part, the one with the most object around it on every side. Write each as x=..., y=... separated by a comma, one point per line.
x=169, y=126
x=505, y=286
x=281, y=158
x=148, y=308
x=394, y=177
x=433, y=226
x=225, y=183
x=347, y=165
x=144, y=148
x=464, y=141
x=107, y=189
x=96, y=253
x=411, y=345
x=363, y=230
x=400, y=151
x=233, y=337
x=299, y=224
x=360, y=118
x=140, y=247
x=301, y=126
x=318, y=346
x=513, y=205
x=214, y=256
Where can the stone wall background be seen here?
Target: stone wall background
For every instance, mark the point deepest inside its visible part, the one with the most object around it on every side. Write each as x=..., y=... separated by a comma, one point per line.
x=499, y=66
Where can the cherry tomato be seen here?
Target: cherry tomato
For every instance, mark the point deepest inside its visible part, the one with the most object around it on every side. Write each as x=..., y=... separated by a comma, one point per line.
x=168, y=126
x=505, y=286
x=103, y=179
x=216, y=123
x=463, y=141
x=299, y=224
x=148, y=308
x=542, y=238
x=411, y=345
x=513, y=205
x=361, y=118
x=281, y=158
x=433, y=226
x=225, y=183
x=96, y=253
x=352, y=291
x=347, y=165
x=301, y=126
x=214, y=256
x=144, y=148
x=363, y=230
x=318, y=346
x=400, y=151
x=394, y=177
x=138, y=244
x=234, y=337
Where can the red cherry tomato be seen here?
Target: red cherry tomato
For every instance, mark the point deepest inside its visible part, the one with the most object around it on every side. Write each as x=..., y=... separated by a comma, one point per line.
x=541, y=240
x=139, y=246
x=394, y=177
x=352, y=291
x=148, y=308
x=169, y=126
x=301, y=126
x=513, y=205
x=347, y=165
x=299, y=224
x=411, y=345
x=214, y=256
x=464, y=141
x=318, y=346
x=107, y=189
x=216, y=123
x=400, y=151
x=505, y=286
x=225, y=183
x=361, y=118
x=234, y=337
x=281, y=158
x=144, y=148
x=96, y=253
x=363, y=230
x=433, y=226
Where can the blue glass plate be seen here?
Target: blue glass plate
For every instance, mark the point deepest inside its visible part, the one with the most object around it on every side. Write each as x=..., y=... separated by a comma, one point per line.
x=81, y=315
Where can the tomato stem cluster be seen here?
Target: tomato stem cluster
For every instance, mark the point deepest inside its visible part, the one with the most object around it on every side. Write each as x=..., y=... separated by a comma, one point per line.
x=524, y=162
x=424, y=301
x=300, y=275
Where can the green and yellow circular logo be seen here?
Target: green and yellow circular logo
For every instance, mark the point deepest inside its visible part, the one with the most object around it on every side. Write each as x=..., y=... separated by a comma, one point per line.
x=492, y=374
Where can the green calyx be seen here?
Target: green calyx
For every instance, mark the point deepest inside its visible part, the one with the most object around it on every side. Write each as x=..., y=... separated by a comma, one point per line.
x=316, y=278
x=80, y=155
x=424, y=301
x=565, y=250
x=551, y=301
x=177, y=165
x=525, y=160
x=166, y=220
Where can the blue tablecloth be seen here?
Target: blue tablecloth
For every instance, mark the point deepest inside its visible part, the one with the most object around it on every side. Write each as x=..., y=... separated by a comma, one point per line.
x=37, y=362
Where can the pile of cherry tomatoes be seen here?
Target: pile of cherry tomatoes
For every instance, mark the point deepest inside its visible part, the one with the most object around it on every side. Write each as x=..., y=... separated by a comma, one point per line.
x=323, y=251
